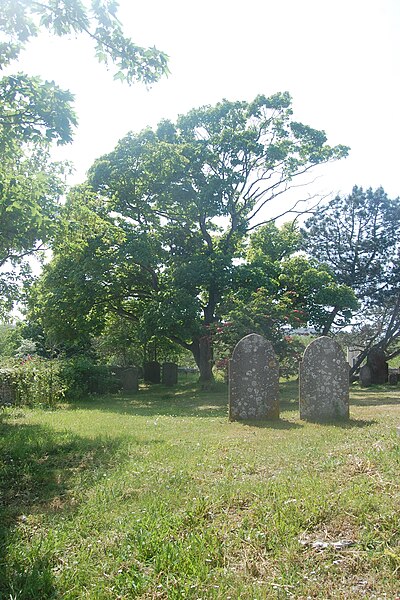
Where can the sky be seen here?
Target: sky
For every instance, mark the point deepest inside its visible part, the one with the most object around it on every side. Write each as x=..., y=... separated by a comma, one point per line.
x=340, y=61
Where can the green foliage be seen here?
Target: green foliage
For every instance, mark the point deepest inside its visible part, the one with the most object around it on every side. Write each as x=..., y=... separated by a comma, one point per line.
x=81, y=378
x=30, y=188
x=357, y=238
x=10, y=339
x=145, y=239
x=277, y=291
x=36, y=113
x=20, y=20
x=35, y=381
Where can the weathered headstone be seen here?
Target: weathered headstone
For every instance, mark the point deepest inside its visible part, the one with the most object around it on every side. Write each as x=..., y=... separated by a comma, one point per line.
x=253, y=380
x=324, y=382
x=169, y=374
x=7, y=392
x=376, y=360
x=152, y=372
x=393, y=378
x=129, y=380
x=365, y=376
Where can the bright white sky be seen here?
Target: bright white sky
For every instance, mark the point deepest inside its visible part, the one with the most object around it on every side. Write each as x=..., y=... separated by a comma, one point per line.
x=339, y=59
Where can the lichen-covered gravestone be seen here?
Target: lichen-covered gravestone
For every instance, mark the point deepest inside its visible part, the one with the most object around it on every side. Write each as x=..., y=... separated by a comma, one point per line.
x=324, y=382
x=170, y=373
x=253, y=380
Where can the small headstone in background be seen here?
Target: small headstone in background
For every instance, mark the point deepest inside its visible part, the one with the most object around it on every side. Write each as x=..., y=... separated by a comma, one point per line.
x=152, y=372
x=376, y=360
x=253, y=380
x=169, y=373
x=324, y=382
x=365, y=376
x=129, y=380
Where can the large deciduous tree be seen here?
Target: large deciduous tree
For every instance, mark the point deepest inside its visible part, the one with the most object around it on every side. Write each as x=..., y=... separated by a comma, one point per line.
x=173, y=208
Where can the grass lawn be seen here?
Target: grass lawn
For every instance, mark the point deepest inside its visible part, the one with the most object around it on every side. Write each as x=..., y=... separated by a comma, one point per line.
x=159, y=496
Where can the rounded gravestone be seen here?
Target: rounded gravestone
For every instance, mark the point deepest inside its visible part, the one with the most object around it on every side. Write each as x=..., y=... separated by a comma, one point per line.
x=253, y=380
x=152, y=372
x=324, y=382
x=129, y=380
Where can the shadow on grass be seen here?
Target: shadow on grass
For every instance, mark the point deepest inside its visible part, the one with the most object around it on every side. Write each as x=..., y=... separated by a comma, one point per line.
x=184, y=400
x=274, y=424
x=376, y=395
x=371, y=401
x=344, y=424
x=37, y=466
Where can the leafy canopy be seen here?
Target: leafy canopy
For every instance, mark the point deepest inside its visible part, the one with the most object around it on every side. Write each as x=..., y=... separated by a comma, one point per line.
x=167, y=216
x=35, y=113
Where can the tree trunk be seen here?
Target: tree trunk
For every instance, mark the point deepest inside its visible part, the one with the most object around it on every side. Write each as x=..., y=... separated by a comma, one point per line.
x=203, y=354
x=329, y=321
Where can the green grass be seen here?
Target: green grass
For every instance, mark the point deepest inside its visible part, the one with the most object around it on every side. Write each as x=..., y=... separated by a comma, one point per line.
x=159, y=496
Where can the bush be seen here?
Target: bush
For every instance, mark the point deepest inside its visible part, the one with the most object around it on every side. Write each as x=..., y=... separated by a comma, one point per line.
x=33, y=381
x=82, y=377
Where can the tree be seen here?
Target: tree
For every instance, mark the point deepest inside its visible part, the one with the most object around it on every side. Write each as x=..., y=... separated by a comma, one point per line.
x=20, y=20
x=357, y=237
x=173, y=209
x=276, y=291
x=34, y=114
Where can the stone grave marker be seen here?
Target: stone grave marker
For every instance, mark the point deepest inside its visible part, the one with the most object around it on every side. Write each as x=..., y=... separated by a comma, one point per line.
x=253, y=380
x=129, y=380
x=365, y=376
x=376, y=360
x=324, y=382
x=152, y=372
x=169, y=373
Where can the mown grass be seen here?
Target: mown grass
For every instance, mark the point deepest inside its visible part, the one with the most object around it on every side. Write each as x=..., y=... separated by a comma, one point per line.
x=159, y=496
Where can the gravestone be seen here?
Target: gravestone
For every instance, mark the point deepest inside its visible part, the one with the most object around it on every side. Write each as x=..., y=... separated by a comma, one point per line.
x=7, y=393
x=152, y=372
x=169, y=374
x=129, y=380
x=393, y=378
x=324, y=382
x=253, y=380
x=376, y=360
x=365, y=376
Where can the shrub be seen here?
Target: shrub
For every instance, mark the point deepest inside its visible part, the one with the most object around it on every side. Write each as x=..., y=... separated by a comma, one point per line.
x=38, y=381
x=33, y=381
x=82, y=377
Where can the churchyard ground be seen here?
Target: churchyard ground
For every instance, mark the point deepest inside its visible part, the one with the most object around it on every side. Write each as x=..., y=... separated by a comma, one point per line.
x=158, y=495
